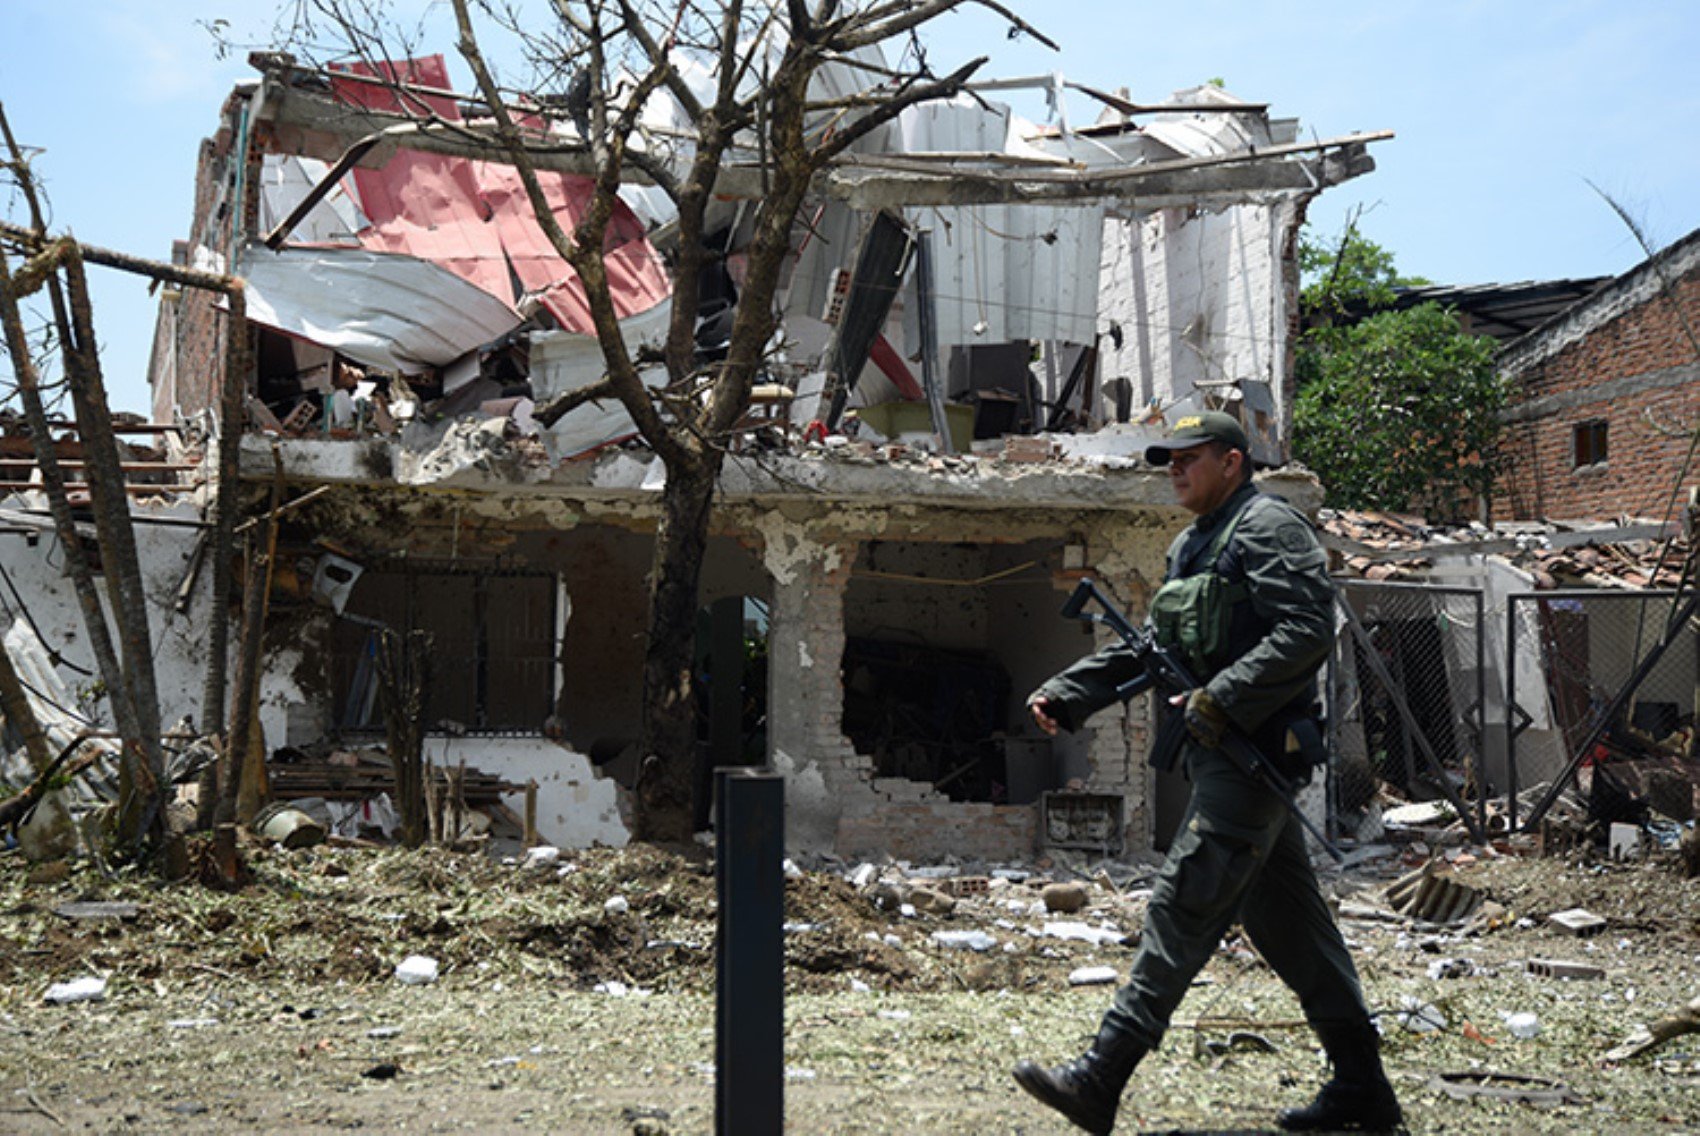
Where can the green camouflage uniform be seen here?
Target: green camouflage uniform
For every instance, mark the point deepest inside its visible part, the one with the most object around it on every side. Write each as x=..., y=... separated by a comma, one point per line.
x=1239, y=855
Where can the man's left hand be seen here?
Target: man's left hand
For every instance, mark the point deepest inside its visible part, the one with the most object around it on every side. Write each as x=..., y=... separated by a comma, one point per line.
x=1205, y=719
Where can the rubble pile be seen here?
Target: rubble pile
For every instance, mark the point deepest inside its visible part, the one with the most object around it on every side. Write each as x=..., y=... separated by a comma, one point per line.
x=1395, y=546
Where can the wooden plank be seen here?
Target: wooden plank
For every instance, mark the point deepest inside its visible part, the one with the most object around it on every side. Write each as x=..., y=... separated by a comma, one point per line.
x=77, y=487
x=127, y=467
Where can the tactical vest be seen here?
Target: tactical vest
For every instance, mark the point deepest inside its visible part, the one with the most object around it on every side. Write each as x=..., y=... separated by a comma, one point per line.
x=1194, y=614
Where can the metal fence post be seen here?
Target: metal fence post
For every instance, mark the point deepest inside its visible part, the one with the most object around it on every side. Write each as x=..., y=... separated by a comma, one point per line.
x=1511, y=708
x=749, y=1017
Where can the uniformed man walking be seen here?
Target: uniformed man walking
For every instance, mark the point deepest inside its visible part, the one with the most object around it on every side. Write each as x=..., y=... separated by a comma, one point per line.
x=1247, y=601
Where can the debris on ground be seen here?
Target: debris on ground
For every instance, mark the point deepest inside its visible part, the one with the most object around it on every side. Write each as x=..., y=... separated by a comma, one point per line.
x=597, y=966
x=1647, y=1038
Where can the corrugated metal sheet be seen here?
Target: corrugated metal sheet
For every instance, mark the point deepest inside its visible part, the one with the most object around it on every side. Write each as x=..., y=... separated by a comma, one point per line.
x=1195, y=304
x=563, y=361
x=394, y=312
x=1003, y=272
x=285, y=180
x=474, y=218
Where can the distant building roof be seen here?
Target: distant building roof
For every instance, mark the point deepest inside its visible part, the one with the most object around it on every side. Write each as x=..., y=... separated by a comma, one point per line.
x=1504, y=311
x=1627, y=553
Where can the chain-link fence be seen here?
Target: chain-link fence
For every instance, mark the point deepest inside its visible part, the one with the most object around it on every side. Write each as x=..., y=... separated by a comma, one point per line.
x=1405, y=691
x=1602, y=681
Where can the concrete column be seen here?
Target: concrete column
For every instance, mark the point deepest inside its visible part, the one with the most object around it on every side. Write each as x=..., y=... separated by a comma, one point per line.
x=805, y=689
x=1127, y=561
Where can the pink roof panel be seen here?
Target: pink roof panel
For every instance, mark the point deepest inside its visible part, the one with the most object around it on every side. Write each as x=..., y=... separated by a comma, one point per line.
x=474, y=219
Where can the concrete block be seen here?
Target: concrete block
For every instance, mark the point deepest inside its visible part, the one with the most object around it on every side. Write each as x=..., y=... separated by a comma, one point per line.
x=1556, y=968
x=1578, y=922
x=1068, y=897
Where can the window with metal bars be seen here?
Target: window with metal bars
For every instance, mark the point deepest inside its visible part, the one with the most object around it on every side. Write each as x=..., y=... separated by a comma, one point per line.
x=493, y=647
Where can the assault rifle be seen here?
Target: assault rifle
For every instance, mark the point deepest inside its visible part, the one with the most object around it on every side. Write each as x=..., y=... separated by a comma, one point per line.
x=1163, y=669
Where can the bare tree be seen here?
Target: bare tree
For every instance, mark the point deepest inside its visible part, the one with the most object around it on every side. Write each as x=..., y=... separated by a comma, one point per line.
x=605, y=63
x=56, y=267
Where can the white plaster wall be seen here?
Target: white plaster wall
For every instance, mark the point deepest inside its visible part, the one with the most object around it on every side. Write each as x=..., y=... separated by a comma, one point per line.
x=46, y=593
x=179, y=638
x=576, y=808
x=1196, y=299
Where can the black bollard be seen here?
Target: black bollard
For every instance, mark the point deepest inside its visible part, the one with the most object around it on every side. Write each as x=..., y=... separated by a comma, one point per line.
x=749, y=1014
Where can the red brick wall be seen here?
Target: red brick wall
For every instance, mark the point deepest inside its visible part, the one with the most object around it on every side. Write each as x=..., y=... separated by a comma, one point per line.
x=933, y=829
x=197, y=339
x=1647, y=430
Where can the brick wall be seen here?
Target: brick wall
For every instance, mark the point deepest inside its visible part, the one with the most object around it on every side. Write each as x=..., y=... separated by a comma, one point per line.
x=1623, y=358
x=929, y=826
x=187, y=369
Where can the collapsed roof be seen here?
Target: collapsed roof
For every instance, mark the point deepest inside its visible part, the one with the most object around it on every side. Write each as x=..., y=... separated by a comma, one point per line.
x=396, y=242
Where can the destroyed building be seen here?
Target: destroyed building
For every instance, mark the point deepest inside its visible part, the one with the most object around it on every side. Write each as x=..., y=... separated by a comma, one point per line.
x=879, y=592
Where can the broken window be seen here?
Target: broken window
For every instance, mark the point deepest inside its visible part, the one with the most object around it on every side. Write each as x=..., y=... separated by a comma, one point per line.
x=493, y=647
x=1588, y=443
x=941, y=639
x=928, y=714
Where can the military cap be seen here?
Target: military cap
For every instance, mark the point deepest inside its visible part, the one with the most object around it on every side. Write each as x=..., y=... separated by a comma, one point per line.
x=1195, y=430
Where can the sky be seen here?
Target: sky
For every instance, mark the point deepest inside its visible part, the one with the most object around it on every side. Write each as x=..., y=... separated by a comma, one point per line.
x=1506, y=113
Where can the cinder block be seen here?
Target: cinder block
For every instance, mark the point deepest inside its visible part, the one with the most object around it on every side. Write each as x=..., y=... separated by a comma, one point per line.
x=1577, y=922
x=1556, y=968
x=965, y=885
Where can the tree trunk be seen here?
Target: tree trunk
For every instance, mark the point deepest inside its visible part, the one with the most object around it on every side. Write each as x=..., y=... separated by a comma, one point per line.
x=236, y=356
x=53, y=835
x=53, y=482
x=238, y=740
x=667, y=776
x=15, y=704
x=404, y=669
x=142, y=803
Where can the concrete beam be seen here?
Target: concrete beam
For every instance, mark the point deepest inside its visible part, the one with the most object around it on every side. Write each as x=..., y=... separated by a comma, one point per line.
x=1157, y=185
x=317, y=126
x=808, y=480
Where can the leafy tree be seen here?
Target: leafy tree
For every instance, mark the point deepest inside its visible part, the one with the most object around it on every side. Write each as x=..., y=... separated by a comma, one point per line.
x=1397, y=409
x=1352, y=276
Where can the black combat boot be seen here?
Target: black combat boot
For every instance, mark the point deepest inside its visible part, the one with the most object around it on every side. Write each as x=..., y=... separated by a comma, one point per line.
x=1359, y=1098
x=1087, y=1089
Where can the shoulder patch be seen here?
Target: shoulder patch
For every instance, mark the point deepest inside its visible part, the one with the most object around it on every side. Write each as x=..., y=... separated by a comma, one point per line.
x=1294, y=537
x=1298, y=547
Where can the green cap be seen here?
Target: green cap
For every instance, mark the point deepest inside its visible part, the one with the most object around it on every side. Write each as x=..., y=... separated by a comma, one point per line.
x=1195, y=430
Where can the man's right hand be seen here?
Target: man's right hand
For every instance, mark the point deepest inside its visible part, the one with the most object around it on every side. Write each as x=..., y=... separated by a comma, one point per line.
x=1041, y=715
x=1205, y=720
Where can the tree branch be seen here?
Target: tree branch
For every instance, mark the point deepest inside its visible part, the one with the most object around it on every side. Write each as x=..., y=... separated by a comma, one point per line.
x=731, y=15
x=558, y=406
x=587, y=261
x=658, y=172
x=883, y=21
x=802, y=24
x=657, y=53
x=846, y=136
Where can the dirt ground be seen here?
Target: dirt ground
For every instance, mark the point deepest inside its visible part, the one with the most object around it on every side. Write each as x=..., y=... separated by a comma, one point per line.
x=276, y=1008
